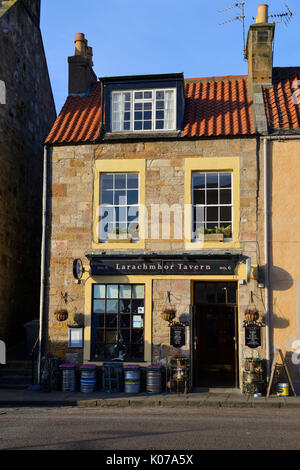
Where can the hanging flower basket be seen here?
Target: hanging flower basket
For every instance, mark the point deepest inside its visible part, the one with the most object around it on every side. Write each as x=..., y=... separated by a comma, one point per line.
x=251, y=315
x=61, y=314
x=168, y=314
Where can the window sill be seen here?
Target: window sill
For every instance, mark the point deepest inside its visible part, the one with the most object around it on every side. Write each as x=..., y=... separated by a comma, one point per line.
x=125, y=363
x=197, y=244
x=119, y=244
x=132, y=135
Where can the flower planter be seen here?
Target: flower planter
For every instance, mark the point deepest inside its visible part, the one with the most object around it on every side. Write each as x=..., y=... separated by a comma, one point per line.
x=214, y=237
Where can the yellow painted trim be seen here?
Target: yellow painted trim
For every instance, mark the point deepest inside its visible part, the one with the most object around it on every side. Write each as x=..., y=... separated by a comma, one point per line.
x=212, y=164
x=120, y=166
x=147, y=281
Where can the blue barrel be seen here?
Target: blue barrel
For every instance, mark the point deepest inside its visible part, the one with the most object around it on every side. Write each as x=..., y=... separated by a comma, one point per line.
x=132, y=379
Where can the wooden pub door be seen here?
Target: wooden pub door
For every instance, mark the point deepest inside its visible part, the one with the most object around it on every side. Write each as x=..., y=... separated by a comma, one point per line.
x=215, y=335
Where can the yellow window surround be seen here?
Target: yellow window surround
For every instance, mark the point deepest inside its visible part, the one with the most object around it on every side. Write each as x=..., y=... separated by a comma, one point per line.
x=231, y=164
x=147, y=282
x=119, y=166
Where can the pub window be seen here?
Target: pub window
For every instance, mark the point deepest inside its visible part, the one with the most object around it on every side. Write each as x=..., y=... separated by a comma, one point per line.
x=119, y=206
x=118, y=322
x=212, y=203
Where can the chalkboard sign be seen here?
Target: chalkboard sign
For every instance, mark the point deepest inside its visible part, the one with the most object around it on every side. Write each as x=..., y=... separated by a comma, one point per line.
x=177, y=333
x=252, y=335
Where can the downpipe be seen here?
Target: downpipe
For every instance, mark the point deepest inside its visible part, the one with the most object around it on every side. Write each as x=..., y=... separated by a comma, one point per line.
x=266, y=249
x=43, y=261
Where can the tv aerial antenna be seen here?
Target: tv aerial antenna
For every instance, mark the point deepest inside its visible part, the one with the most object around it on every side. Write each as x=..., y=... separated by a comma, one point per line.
x=240, y=17
x=285, y=17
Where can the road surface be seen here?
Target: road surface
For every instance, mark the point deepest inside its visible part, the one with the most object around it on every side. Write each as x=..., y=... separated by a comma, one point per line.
x=73, y=428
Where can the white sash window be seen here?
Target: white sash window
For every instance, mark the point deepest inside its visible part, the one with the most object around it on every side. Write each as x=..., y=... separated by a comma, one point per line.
x=143, y=110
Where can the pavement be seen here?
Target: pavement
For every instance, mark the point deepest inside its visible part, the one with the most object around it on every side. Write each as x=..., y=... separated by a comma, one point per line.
x=218, y=398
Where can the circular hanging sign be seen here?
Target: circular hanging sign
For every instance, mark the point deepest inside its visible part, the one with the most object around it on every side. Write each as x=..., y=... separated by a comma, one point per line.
x=78, y=269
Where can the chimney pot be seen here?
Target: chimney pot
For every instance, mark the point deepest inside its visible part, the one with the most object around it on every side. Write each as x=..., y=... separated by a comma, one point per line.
x=80, y=45
x=90, y=55
x=263, y=14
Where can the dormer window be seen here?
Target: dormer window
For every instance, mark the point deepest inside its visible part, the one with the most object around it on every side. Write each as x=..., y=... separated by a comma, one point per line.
x=143, y=110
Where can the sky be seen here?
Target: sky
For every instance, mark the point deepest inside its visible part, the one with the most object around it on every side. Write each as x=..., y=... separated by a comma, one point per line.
x=135, y=37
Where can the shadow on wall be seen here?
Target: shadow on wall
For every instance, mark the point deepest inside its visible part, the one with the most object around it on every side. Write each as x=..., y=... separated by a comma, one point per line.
x=280, y=280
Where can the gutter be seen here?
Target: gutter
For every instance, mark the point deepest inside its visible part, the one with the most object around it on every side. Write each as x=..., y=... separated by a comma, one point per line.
x=267, y=139
x=43, y=262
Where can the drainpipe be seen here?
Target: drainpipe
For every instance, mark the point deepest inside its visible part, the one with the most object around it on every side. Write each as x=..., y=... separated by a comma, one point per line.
x=266, y=244
x=266, y=240
x=43, y=260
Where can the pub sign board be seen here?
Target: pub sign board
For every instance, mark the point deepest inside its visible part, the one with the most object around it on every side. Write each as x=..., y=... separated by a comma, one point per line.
x=104, y=266
x=252, y=335
x=177, y=335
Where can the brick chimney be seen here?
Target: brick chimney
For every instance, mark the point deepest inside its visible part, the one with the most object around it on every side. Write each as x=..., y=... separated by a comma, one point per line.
x=81, y=73
x=260, y=64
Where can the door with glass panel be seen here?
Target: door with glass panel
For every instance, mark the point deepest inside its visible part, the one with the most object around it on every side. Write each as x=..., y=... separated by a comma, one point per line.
x=118, y=318
x=215, y=334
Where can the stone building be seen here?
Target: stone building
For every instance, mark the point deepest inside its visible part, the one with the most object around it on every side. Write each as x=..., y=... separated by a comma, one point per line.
x=27, y=112
x=156, y=194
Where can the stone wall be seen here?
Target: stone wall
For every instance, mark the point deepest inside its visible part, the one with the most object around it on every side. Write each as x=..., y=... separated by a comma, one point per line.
x=179, y=292
x=71, y=206
x=25, y=121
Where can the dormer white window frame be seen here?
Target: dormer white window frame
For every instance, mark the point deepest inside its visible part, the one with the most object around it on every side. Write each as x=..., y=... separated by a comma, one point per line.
x=144, y=110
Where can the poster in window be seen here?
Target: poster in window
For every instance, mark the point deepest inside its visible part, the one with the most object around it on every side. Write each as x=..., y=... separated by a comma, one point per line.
x=137, y=321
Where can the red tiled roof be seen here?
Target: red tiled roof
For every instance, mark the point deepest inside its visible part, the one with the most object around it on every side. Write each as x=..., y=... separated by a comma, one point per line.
x=220, y=107
x=79, y=119
x=281, y=100
x=216, y=106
